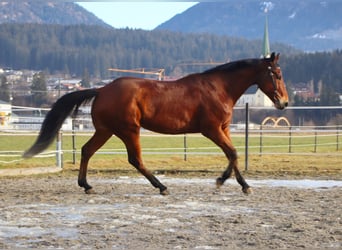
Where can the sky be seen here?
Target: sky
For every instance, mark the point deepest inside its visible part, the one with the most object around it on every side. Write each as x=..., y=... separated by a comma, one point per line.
x=135, y=15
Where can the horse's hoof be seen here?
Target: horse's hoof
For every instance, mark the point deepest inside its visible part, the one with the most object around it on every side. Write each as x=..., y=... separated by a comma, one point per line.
x=219, y=183
x=247, y=190
x=90, y=191
x=164, y=192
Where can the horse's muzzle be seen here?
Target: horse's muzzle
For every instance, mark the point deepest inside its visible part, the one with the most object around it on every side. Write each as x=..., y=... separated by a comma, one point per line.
x=280, y=104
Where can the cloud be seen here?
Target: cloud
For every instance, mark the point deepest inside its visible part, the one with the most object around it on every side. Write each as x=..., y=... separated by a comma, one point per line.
x=267, y=6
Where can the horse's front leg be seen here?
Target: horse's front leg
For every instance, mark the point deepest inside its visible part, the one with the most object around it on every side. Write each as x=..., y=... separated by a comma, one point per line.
x=233, y=165
x=94, y=143
x=221, y=138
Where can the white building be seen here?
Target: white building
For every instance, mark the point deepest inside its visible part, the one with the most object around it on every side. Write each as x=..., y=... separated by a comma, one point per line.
x=255, y=98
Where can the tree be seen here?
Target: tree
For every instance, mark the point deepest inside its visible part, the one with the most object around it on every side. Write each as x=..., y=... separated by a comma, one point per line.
x=39, y=90
x=4, y=89
x=85, y=79
x=329, y=96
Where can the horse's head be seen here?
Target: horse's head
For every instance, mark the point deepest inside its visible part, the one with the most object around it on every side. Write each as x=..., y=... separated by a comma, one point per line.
x=272, y=82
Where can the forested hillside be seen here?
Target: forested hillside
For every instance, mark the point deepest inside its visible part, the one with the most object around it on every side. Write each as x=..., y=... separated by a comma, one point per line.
x=76, y=48
x=322, y=69
x=322, y=66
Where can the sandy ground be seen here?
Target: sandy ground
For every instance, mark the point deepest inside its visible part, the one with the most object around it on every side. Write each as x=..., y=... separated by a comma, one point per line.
x=127, y=213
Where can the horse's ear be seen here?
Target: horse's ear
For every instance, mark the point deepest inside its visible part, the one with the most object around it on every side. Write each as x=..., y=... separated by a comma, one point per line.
x=272, y=56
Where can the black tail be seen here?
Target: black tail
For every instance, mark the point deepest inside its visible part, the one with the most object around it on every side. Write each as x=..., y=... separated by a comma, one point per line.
x=54, y=119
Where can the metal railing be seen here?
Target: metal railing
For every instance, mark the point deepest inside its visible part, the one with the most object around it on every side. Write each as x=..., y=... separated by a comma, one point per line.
x=248, y=139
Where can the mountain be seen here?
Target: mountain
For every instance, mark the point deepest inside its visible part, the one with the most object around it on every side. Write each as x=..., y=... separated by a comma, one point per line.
x=44, y=12
x=313, y=25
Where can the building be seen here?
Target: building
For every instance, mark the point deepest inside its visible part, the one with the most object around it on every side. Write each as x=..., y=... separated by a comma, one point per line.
x=266, y=51
x=254, y=96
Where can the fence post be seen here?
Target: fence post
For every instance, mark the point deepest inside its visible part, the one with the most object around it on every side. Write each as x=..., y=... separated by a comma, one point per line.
x=246, y=137
x=290, y=139
x=315, y=147
x=73, y=142
x=185, y=147
x=59, y=152
x=260, y=141
x=337, y=135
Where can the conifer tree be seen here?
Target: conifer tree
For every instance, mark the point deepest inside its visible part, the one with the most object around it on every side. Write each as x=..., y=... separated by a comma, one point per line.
x=39, y=90
x=4, y=89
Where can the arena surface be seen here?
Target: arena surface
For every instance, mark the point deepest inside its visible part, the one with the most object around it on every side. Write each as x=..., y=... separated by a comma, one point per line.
x=127, y=213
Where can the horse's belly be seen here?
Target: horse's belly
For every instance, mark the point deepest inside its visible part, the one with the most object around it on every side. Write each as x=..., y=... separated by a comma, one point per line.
x=170, y=125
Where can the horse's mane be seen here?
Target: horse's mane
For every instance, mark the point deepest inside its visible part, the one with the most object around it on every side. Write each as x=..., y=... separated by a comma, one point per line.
x=233, y=66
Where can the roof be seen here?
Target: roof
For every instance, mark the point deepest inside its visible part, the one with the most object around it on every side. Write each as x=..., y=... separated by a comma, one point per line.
x=251, y=90
x=3, y=102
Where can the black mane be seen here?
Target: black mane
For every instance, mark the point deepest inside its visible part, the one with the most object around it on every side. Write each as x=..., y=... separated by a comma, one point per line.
x=233, y=66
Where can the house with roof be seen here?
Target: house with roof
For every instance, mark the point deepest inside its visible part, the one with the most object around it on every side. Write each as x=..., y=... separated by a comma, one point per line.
x=255, y=98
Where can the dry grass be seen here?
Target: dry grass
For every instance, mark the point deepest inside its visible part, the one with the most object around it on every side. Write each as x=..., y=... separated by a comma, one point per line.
x=276, y=166
x=325, y=163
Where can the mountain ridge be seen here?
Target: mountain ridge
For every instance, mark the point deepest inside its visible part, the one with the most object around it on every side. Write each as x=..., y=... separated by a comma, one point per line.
x=308, y=25
x=42, y=12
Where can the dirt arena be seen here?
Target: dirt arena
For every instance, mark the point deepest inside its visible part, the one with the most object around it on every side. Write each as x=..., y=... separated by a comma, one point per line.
x=127, y=213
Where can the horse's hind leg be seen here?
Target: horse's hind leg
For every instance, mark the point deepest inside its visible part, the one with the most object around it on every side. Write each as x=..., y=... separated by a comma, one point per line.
x=88, y=149
x=134, y=157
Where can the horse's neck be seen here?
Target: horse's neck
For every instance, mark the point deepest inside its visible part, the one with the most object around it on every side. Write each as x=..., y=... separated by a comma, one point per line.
x=237, y=83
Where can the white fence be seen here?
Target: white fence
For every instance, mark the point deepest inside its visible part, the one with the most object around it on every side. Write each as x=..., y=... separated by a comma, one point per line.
x=261, y=139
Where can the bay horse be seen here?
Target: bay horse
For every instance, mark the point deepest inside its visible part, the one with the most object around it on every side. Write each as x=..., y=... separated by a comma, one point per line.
x=197, y=103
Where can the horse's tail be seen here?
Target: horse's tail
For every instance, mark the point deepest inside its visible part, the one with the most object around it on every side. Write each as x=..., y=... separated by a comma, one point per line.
x=54, y=119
